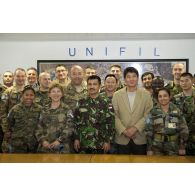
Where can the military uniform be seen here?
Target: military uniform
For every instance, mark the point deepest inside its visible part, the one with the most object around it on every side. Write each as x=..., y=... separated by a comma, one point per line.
x=3, y=114
x=65, y=84
x=42, y=98
x=174, y=89
x=55, y=124
x=13, y=96
x=166, y=133
x=71, y=96
x=93, y=119
x=35, y=86
x=113, y=146
x=22, y=121
x=187, y=106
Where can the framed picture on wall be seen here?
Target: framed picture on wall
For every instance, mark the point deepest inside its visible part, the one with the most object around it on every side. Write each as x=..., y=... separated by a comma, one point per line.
x=159, y=67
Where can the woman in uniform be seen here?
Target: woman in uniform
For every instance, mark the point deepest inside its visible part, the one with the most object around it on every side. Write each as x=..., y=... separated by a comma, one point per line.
x=55, y=126
x=22, y=123
x=166, y=128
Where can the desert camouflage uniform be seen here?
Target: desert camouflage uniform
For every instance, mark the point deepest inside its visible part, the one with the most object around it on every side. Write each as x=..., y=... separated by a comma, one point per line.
x=71, y=96
x=3, y=113
x=65, y=84
x=93, y=119
x=166, y=132
x=55, y=124
x=187, y=106
x=42, y=98
x=22, y=121
x=174, y=89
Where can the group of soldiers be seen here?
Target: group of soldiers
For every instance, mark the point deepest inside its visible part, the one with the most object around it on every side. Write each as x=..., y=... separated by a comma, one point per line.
x=77, y=113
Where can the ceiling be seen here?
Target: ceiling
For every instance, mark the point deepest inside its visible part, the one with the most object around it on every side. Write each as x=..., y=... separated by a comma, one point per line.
x=92, y=36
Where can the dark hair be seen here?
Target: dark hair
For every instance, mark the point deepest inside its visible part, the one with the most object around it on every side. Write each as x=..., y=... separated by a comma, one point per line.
x=32, y=68
x=185, y=74
x=115, y=65
x=164, y=89
x=28, y=87
x=93, y=77
x=147, y=73
x=59, y=65
x=130, y=70
x=111, y=75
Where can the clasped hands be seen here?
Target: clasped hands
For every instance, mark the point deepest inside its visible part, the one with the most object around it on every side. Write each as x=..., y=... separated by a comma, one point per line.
x=130, y=132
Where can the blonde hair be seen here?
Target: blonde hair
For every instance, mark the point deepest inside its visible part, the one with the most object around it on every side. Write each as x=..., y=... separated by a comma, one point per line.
x=55, y=84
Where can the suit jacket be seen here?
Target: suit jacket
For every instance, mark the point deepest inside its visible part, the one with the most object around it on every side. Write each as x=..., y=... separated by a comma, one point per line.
x=126, y=117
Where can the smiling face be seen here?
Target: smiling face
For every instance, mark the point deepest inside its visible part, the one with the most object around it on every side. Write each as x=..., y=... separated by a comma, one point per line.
x=110, y=84
x=61, y=73
x=27, y=97
x=31, y=76
x=20, y=77
x=55, y=94
x=116, y=71
x=163, y=97
x=44, y=80
x=147, y=81
x=178, y=69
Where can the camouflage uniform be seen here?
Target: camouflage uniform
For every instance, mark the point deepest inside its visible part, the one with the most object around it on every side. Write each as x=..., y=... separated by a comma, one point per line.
x=3, y=114
x=113, y=146
x=65, y=84
x=35, y=87
x=166, y=132
x=174, y=89
x=22, y=121
x=13, y=96
x=187, y=106
x=93, y=119
x=55, y=124
x=71, y=96
x=42, y=98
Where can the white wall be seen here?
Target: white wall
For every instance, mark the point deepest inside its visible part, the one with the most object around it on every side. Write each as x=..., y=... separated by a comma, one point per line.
x=25, y=54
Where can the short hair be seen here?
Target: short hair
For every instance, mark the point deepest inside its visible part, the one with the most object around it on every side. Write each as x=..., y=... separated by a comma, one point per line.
x=54, y=84
x=32, y=68
x=44, y=73
x=93, y=77
x=185, y=74
x=28, y=87
x=90, y=66
x=115, y=65
x=9, y=72
x=163, y=89
x=147, y=73
x=130, y=70
x=59, y=65
x=111, y=75
x=19, y=69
